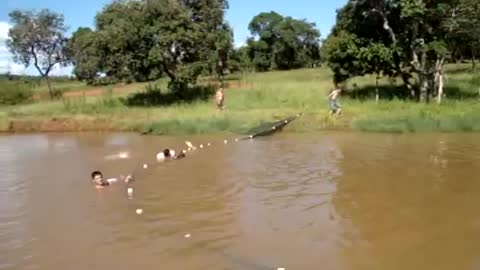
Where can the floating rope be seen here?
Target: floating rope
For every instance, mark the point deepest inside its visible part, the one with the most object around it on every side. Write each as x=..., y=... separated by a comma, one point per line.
x=264, y=129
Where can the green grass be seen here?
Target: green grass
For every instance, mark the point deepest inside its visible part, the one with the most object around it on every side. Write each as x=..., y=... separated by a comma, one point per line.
x=399, y=116
x=268, y=96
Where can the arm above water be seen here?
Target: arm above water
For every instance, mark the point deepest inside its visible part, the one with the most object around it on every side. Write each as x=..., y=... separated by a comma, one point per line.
x=112, y=180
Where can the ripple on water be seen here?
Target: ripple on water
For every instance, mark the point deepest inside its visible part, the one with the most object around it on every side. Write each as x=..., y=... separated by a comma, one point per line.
x=14, y=232
x=330, y=200
x=291, y=178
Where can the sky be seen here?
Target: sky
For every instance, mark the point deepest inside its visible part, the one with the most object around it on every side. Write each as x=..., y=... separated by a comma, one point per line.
x=81, y=14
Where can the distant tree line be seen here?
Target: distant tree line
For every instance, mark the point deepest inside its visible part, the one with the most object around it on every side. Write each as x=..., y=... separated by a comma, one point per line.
x=143, y=40
x=147, y=39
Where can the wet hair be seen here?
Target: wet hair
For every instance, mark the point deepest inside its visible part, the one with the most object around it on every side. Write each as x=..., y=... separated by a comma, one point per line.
x=95, y=173
x=166, y=153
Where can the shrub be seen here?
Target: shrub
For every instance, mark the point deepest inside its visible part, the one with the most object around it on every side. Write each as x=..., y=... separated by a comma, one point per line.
x=15, y=93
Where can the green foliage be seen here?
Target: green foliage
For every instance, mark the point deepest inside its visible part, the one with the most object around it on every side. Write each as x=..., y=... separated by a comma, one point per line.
x=239, y=60
x=85, y=57
x=143, y=40
x=13, y=93
x=271, y=96
x=452, y=117
x=282, y=43
x=341, y=52
x=406, y=38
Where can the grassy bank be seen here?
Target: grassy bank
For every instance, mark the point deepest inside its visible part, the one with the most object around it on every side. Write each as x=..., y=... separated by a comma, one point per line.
x=260, y=97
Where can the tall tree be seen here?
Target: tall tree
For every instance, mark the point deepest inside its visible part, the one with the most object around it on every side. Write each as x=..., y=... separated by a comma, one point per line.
x=279, y=42
x=465, y=28
x=414, y=30
x=38, y=39
x=142, y=40
x=82, y=50
x=377, y=59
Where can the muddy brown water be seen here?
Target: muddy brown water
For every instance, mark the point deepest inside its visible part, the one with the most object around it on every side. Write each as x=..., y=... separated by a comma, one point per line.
x=317, y=201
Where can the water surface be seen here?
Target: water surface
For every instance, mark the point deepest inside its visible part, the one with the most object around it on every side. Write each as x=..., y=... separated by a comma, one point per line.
x=321, y=201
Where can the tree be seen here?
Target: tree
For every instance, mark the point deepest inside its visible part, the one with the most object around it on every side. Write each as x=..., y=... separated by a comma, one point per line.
x=465, y=28
x=143, y=40
x=239, y=60
x=283, y=43
x=341, y=52
x=38, y=38
x=416, y=31
x=82, y=50
x=377, y=59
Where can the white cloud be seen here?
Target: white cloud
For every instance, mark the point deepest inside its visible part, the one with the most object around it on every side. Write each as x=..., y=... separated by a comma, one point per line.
x=6, y=62
x=4, y=27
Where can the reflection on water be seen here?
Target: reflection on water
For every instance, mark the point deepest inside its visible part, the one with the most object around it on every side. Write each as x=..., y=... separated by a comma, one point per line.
x=328, y=200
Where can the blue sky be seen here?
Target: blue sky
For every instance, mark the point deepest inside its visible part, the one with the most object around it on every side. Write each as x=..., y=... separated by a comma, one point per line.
x=82, y=13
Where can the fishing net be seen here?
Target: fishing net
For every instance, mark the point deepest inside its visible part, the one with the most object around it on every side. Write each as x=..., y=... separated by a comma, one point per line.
x=265, y=129
x=269, y=128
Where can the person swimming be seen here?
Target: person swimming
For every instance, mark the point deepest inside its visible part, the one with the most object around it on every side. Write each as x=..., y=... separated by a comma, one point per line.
x=169, y=154
x=97, y=179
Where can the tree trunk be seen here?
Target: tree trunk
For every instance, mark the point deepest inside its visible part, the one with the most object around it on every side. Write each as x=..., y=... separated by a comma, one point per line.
x=440, y=88
x=425, y=79
x=50, y=92
x=438, y=77
x=474, y=64
x=423, y=89
x=431, y=87
x=377, y=96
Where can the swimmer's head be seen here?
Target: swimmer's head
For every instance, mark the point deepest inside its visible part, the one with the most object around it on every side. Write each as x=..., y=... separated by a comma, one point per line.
x=166, y=153
x=97, y=177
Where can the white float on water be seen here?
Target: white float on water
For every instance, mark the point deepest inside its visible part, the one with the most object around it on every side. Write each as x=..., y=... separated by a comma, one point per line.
x=139, y=211
x=225, y=142
x=190, y=145
x=237, y=140
x=123, y=155
x=188, y=235
x=209, y=144
x=280, y=268
x=130, y=191
x=160, y=156
x=251, y=136
x=201, y=145
x=145, y=166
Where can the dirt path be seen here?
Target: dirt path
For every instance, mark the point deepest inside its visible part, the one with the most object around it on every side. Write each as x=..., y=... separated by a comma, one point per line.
x=98, y=91
x=130, y=88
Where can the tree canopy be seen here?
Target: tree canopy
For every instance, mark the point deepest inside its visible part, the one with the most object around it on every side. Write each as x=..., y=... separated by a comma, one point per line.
x=416, y=36
x=143, y=40
x=279, y=42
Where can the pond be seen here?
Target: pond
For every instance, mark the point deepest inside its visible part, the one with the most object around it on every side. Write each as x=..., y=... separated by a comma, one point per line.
x=306, y=201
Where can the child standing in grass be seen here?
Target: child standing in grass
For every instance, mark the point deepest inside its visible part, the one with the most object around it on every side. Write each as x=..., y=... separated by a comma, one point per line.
x=220, y=98
x=333, y=99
